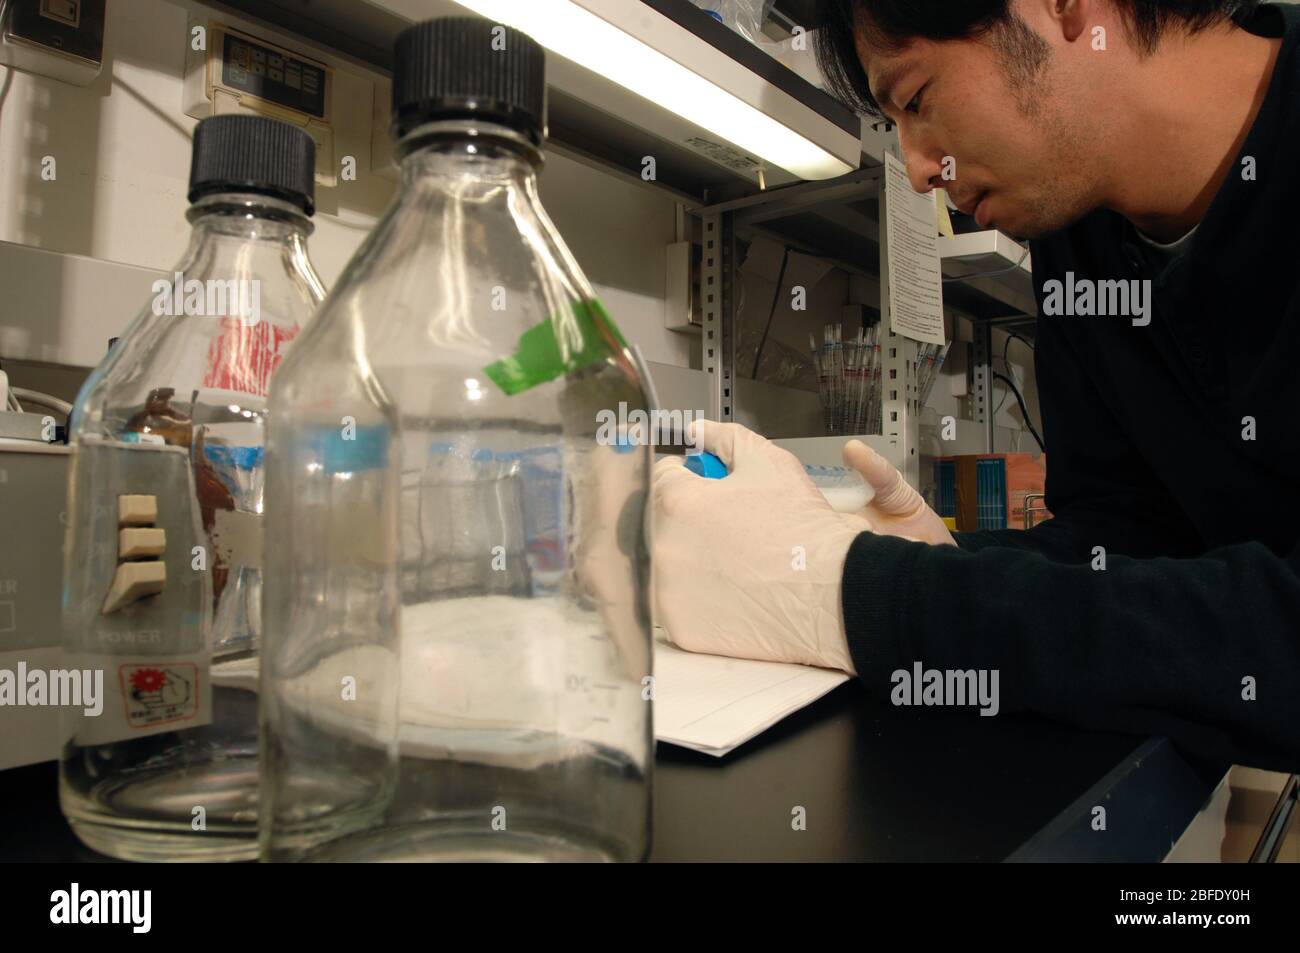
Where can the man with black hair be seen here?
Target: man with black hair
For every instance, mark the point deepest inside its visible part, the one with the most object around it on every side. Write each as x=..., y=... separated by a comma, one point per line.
x=1154, y=142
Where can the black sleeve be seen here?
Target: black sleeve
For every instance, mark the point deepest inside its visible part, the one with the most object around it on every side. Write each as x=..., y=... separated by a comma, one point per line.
x=1153, y=646
x=1100, y=490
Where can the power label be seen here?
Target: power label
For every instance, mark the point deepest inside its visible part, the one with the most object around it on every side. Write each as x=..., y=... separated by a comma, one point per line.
x=146, y=696
x=154, y=695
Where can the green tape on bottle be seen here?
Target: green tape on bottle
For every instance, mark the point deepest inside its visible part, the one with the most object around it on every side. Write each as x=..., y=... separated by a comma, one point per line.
x=539, y=357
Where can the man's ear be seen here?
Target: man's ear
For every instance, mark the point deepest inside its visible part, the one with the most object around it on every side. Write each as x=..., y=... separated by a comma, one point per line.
x=1068, y=19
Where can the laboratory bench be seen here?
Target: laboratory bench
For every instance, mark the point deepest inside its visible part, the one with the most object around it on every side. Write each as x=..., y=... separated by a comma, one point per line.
x=885, y=783
x=874, y=782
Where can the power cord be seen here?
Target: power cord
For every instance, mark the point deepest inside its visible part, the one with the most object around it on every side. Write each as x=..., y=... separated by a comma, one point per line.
x=42, y=400
x=1023, y=409
x=776, y=297
x=1006, y=349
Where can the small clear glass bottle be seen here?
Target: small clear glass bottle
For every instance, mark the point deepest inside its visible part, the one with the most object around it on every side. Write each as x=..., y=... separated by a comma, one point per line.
x=458, y=642
x=163, y=582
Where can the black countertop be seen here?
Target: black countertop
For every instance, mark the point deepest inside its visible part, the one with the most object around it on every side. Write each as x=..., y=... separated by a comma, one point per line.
x=880, y=783
x=875, y=782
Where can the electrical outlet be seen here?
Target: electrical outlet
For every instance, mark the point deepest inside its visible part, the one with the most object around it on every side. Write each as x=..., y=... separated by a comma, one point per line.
x=61, y=39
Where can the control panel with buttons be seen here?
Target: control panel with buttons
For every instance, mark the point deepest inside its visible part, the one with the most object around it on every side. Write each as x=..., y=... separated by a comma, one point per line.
x=236, y=72
x=136, y=595
x=140, y=573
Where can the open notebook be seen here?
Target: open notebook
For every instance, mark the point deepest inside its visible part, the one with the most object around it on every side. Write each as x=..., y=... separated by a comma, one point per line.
x=713, y=704
x=704, y=702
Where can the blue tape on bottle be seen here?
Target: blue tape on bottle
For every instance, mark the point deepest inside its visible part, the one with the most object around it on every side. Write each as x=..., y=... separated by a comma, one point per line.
x=347, y=450
x=234, y=458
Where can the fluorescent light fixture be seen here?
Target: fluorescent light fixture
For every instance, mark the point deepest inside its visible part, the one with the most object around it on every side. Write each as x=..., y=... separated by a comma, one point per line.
x=567, y=28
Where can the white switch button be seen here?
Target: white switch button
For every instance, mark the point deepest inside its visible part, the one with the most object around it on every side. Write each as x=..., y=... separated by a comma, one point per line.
x=135, y=581
x=64, y=11
x=137, y=543
x=137, y=510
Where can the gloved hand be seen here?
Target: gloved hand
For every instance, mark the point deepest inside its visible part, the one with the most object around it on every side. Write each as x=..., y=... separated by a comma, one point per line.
x=896, y=509
x=750, y=565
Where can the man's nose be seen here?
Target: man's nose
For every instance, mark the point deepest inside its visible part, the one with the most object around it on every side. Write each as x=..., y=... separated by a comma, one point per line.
x=923, y=169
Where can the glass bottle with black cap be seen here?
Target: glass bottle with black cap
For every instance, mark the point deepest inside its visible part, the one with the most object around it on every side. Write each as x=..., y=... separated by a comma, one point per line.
x=458, y=657
x=162, y=583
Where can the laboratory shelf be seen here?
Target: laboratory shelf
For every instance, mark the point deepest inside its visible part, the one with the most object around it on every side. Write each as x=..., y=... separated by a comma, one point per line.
x=988, y=275
x=987, y=280
x=826, y=451
x=594, y=117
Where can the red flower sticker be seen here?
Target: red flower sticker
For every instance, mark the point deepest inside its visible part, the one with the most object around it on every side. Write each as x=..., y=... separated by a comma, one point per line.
x=147, y=679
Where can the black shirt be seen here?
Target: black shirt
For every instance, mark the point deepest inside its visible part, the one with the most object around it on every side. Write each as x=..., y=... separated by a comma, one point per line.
x=1175, y=447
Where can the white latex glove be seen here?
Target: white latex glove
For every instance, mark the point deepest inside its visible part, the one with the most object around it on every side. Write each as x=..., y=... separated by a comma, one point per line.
x=606, y=546
x=750, y=565
x=896, y=509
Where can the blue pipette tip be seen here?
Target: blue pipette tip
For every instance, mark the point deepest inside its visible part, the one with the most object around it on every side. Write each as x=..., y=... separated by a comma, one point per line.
x=705, y=464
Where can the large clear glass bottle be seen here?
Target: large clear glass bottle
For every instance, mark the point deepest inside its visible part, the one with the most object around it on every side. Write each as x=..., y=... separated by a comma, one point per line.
x=163, y=577
x=458, y=648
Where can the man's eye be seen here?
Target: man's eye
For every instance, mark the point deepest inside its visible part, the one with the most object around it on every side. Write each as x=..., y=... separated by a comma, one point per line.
x=915, y=105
